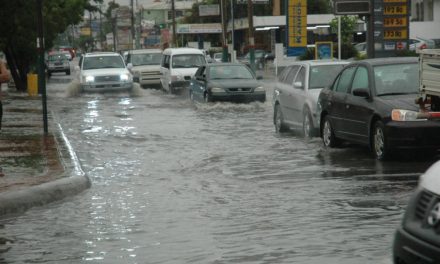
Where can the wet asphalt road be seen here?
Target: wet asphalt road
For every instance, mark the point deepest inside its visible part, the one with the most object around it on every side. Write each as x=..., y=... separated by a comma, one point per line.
x=174, y=182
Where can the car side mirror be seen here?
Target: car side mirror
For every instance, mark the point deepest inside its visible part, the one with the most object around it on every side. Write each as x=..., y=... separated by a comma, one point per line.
x=298, y=85
x=259, y=77
x=361, y=92
x=130, y=66
x=77, y=68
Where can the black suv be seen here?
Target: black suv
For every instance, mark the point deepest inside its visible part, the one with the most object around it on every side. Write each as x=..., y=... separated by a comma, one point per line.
x=417, y=240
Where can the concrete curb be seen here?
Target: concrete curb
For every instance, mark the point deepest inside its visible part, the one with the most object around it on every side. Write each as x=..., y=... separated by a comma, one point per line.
x=74, y=182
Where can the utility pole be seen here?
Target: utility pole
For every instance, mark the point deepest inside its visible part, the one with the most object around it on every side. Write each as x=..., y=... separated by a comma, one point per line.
x=132, y=24
x=232, y=30
x=41, y=68
x=173, y=15
x=251, y=34
x=224, y=42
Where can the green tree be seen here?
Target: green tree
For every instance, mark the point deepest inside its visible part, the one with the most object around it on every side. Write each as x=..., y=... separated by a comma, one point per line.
x=18, y=32
x=348, y=24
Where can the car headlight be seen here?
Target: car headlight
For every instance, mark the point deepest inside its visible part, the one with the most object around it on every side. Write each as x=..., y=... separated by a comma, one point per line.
x=124, y=77
x=217, y=90
x=405, y=115
x=175, y=78
x=90, y=79
x=259, y=89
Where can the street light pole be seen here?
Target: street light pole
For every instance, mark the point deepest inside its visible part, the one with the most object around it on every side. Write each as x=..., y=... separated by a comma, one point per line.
x=232, y=29
x=41, y=70
x=173, y=15
x=251, y=34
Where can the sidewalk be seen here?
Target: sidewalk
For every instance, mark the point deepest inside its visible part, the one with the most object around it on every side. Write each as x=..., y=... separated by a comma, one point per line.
x=35, y=168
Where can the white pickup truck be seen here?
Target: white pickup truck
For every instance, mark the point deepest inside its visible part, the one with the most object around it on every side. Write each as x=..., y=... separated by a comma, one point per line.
x=429, y=100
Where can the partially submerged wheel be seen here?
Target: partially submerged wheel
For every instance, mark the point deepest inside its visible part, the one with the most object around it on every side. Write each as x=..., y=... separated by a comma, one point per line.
x=207, y=98
x=328, y=136
x=379, y=141
x=278, y=119
x=307, y=124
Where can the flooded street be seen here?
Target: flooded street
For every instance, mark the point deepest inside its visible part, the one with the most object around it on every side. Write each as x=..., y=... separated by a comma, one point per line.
x=174, y=182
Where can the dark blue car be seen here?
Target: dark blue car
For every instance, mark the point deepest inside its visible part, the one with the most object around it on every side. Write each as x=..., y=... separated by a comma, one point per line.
x=233, y=82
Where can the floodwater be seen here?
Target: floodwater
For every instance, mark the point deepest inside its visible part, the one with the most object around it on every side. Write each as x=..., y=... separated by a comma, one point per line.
x=174, y=182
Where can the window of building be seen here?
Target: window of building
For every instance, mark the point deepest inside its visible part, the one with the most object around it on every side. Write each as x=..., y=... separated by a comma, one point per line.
x=422, y=10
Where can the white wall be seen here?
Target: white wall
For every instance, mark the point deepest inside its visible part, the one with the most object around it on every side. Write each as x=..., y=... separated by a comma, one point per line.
x=429, y=29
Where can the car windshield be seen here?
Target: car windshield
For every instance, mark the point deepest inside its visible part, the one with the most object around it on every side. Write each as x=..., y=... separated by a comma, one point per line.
x=146, y=59
x=396, y=79
x=57, y=57
x=100, y=62
x=323, y=75
x=188, y=60
x=230, y=72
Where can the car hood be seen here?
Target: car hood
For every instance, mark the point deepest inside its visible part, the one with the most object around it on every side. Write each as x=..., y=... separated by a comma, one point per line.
x=406, y=101
x=103, y=72
x=232, y=83
x=141, y=68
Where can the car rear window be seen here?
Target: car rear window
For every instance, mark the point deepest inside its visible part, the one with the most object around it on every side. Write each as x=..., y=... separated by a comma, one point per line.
x=323, y=75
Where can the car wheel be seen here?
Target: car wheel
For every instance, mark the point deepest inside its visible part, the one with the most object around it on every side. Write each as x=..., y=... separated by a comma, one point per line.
x=328, y=135
x=379, y=141
x=307, y=124
x=207, y=98
x=278, y=120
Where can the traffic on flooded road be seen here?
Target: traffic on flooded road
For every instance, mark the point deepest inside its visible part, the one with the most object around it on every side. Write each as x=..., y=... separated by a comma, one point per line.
x=180, y=182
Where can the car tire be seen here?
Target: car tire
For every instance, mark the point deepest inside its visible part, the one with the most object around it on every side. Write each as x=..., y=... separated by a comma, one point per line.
x=207, y=97
x=328, y=135
x=379, y=144
x=307, y=125
x=278, y=120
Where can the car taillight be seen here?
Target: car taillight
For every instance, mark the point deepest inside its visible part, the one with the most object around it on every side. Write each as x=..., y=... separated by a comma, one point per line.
x=423, y=46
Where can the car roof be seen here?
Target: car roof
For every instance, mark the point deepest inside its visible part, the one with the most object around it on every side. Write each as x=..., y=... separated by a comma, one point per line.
x=95, y=54
x=225, y=64
x=182, y=51
x=390, y=60
x=143, y=51
x=320, y=62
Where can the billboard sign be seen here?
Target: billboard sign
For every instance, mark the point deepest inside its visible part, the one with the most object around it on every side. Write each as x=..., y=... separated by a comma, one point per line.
x=209, y=10
x=391, y=26
x=352, y=7
x=296, y=27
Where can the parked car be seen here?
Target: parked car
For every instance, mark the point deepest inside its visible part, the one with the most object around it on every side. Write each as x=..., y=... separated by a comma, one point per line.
x=421, y=43
x=417, y=239
x=178, y=67
x=259, y=58
x=361, y=48
x=372, y=102
x=296, y=94
x=103, y=71
x=57, y=62
x=144, y=64
x=226, y=82
x=218, y=56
